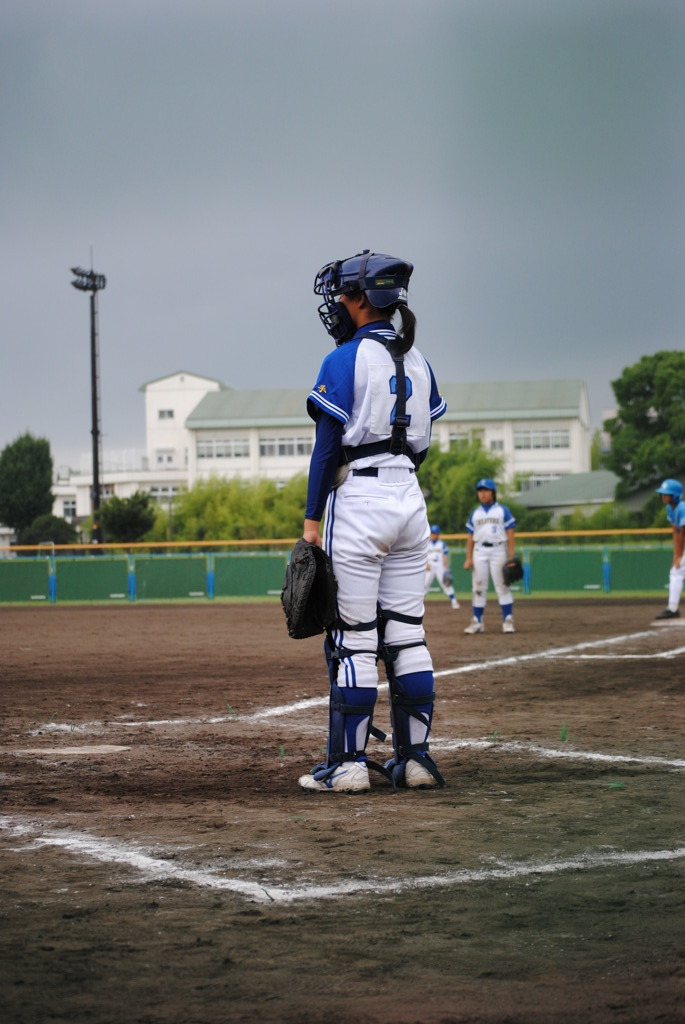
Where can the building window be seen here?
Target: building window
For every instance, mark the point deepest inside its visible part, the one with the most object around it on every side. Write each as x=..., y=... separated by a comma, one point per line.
x=69, y=509
x=270, y=447
x=161, y=493
x=232, y=448
x=552, y=437
x=166, y=414
x=496, y=445
x=537, y=479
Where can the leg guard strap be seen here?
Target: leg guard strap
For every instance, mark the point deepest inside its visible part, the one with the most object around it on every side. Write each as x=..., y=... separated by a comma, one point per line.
x=411, y=700
x=413, y=620
x=350, y=724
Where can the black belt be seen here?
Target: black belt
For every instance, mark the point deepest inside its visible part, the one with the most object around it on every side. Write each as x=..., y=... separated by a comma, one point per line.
x=373, y=470
x=487, y=544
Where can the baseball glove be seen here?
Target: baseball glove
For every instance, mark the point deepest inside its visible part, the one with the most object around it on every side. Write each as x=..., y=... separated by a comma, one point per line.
x=513, y=571
x=309, y=591
x=448, y=578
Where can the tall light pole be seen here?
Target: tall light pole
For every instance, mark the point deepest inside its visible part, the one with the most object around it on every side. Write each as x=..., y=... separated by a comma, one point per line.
x=89, y=281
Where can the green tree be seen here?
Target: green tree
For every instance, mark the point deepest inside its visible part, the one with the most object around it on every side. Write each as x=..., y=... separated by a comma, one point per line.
x=127, y=520
x=48, y=528
x=607, y=517
x=596, y=456
x=448, y=479
x=25, y=481
x=240, y=510
x=648, y=431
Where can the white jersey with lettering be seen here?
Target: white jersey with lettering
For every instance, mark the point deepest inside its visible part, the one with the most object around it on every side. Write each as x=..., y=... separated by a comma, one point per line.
x=437, y=550
x=489, y=524
x=357, y=385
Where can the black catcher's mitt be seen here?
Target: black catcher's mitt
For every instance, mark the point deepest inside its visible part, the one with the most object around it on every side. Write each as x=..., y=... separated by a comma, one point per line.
x=309, y=591
x=513, y=571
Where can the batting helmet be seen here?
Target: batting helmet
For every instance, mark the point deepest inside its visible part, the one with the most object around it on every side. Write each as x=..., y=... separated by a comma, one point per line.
x=486, y=482
x=671, y=487
x=383, y=279
x=435, y=528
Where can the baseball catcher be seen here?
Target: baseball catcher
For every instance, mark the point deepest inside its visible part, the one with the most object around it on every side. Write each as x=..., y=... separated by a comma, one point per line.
x=309, y=591
x=512, y=571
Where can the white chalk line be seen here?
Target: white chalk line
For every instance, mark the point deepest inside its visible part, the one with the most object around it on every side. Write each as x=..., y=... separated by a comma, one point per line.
x=627, y=657
x=571, y=653
x=550, y=653
x=157, y=869
x=516, y=747
x=314, y=702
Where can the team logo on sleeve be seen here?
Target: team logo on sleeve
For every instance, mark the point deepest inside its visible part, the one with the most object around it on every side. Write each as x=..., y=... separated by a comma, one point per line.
x=321, y=389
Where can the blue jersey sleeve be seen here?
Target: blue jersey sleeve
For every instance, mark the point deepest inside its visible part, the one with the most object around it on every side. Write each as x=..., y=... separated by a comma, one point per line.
x=323, y=464
x=333, y=392
x=677, y=515
x=509, y=521
x=438, y=405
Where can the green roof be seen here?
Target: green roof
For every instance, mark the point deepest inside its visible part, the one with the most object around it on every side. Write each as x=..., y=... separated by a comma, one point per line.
x=514, y=399
x=223, y=409
x=466, y=402
x=575, y=489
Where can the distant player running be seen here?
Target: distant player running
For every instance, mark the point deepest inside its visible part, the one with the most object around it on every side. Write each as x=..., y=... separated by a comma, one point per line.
x=438, y=566
x=671, y=492
x=490, y=543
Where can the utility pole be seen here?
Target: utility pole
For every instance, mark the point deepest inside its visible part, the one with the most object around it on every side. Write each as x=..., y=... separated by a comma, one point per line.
x=89, y=281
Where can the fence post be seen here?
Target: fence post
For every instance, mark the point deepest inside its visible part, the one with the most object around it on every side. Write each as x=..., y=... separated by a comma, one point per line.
x=131, y=579
x=606, y=571
x=526, y=572
x=210, y=576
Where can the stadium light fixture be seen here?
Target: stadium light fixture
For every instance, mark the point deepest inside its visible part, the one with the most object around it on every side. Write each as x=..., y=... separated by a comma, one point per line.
x=89, y=281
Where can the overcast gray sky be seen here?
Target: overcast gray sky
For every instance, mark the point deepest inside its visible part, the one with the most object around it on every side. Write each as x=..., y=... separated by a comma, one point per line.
x=528, y=156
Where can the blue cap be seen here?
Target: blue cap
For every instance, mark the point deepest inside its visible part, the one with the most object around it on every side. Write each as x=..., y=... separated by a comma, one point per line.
x=435, y=528
x=486, y=482
x=672, y=487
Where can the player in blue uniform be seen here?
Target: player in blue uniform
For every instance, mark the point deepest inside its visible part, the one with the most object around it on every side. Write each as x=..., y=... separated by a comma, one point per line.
x=373, y=402
x=490, y=543
x=438, y=566
x=671, y=492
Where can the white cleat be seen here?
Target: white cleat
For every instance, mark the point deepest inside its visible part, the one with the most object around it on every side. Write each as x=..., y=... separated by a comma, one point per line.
x=508, y=625
x=455, y=605
x=349, y=777
x=416, y=776
x=475, y=626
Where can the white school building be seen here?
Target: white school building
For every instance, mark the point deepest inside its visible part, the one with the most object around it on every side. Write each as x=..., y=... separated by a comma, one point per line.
x=197, y=428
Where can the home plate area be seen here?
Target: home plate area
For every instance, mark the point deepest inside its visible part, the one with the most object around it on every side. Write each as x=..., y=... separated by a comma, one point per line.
x=154, y=840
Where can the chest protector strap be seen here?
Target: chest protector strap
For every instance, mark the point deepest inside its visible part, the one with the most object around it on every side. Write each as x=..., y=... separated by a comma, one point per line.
x=397, y=443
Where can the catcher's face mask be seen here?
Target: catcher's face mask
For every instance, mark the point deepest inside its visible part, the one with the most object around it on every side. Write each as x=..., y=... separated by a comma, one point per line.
x=383, y=279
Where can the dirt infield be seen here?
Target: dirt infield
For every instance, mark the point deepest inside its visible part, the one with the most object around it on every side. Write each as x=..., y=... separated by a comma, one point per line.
x=160, y=863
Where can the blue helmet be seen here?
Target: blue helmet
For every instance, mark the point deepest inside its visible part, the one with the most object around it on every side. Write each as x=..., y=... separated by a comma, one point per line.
x=671, y=487
x=487, y=482
x=383, y=279
x=435, y=528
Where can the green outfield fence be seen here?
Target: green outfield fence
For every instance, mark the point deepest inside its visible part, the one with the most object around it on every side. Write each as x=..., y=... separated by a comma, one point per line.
x=577, y=562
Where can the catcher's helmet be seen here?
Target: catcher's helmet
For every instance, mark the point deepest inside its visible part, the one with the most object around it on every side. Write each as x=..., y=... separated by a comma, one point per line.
x=488, y=483
x=671, y=487
x=435, y=528
x=383, y=279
